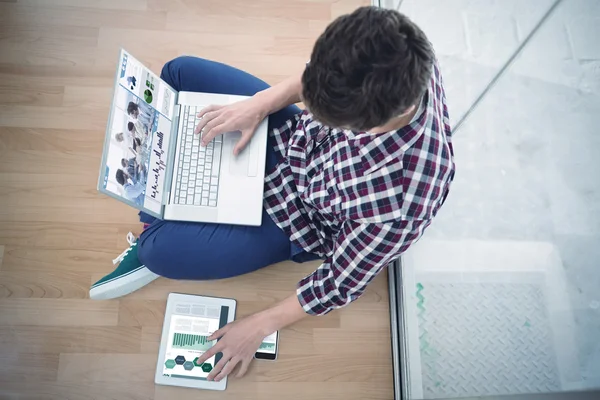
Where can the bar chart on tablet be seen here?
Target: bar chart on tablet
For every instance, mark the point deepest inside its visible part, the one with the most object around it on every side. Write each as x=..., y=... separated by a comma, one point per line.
x=191, y=342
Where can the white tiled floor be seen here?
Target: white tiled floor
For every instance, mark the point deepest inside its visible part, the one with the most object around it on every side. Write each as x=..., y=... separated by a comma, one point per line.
x=528, y=162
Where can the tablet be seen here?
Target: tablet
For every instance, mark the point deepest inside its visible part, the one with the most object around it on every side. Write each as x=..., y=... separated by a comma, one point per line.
x=189, y=321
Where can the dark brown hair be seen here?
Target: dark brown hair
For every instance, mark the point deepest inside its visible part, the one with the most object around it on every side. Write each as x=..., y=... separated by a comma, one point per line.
x=366, y=68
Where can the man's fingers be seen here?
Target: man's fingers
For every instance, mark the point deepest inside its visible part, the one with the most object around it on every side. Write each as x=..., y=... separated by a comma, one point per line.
x=210, y=126
x=212, y=107
x=215, y=371
x=227, y=369
x=204, y=121
x=210, y=134
x=243, y=368
x=207, y=117
x=219, y=332
x=209, y=353
x=241, y=143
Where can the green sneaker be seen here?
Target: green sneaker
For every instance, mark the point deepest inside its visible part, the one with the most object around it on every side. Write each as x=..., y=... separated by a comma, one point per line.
x=129, y=276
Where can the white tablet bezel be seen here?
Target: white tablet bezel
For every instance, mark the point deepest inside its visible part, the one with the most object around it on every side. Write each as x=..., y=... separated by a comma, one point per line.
x=174, y=298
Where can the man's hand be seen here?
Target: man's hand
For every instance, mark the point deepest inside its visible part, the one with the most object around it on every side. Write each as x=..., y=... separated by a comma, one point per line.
x=240, y=339
x=243, y=116
x=238, y=342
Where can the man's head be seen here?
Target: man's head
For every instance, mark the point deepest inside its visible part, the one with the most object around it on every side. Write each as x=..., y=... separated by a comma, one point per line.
x=367, y=68
x=119, y=137
x=123, y=163
x=121, y=177
x=133, y=109
x=130, y=127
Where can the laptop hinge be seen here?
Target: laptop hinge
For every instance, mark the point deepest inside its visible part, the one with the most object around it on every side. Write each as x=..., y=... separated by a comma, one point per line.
x=171, y=155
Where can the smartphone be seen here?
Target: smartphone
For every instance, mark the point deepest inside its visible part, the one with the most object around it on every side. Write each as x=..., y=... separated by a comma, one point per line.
x=268, y=347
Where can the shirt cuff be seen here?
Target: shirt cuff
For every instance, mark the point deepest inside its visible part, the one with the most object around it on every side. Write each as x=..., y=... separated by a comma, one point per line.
x=308, y=298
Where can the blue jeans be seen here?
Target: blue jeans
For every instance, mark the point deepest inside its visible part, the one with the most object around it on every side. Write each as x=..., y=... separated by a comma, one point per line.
x=191, y=250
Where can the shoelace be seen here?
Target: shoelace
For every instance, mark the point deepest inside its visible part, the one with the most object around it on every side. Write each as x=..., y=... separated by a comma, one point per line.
x=131, y=241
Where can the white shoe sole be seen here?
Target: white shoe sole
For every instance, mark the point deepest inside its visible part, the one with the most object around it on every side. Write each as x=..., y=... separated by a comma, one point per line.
x=122, y=286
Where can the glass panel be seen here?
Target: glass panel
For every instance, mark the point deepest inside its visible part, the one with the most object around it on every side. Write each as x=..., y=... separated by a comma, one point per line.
x=473, y=39
x=502, y=295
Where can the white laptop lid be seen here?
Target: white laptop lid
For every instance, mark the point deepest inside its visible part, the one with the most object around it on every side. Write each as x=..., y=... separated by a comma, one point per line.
x=139, y=138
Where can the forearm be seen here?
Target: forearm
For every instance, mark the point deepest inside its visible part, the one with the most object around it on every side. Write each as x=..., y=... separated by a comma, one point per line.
x=281, y=95
x=282, y=314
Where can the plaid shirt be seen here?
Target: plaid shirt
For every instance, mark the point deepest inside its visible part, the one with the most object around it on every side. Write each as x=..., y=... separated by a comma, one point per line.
x=358, y=200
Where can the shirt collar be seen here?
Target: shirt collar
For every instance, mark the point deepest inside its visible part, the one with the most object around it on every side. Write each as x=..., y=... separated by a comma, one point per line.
x=379, y=149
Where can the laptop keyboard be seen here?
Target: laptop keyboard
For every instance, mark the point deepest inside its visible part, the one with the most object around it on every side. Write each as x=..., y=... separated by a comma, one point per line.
x=197, y=180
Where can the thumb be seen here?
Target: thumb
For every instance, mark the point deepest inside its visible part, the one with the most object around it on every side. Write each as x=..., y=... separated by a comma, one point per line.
x=246, y=136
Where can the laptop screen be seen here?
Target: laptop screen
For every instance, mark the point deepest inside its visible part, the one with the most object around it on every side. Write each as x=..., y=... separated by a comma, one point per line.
x=137, y=139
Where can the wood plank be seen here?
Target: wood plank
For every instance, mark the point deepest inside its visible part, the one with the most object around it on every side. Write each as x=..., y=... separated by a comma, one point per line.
x=48, y=36
x=347, y=341
x=55, y=160
x=270, y=8
x=134, y=40
x=329, y=390
x=77, y=391
x=70, y=339
x=339, y=8
x=292, y=46
x=45, y=96
x=76, y=117
x=106, y=367
x=286, y=26
x=27, y=367
x=58, y=312
x=73, y=235
x=52, y=284
x=58, y=259
x=236, y=389
x=141, y=312
x=70, y=141
x=55, y=15
x=129, y=5
x=84, y=204
x=39, y=75
x=247, y=390
x=323, y=368
x=98, y=211
x=13, y=53
x=150, y=341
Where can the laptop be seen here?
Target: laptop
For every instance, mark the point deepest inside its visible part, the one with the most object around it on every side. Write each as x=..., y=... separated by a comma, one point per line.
x=153, y=161
x=189, y=321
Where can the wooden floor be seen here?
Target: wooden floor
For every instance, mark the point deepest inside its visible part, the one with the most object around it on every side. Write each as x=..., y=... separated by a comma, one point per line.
x=58, y=235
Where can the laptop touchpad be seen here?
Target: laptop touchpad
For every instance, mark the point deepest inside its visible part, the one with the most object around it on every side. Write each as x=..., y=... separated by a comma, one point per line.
x=238, y=165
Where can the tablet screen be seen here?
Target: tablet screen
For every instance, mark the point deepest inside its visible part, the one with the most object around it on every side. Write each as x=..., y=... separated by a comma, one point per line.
x=189, y=329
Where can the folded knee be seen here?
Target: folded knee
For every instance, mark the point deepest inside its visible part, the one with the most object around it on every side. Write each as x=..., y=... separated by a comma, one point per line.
x=163, y=256
x=170, y=72
x=149, y=256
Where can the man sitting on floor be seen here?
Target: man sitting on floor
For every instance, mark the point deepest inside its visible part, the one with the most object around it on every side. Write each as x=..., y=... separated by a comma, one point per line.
x=353, y=180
